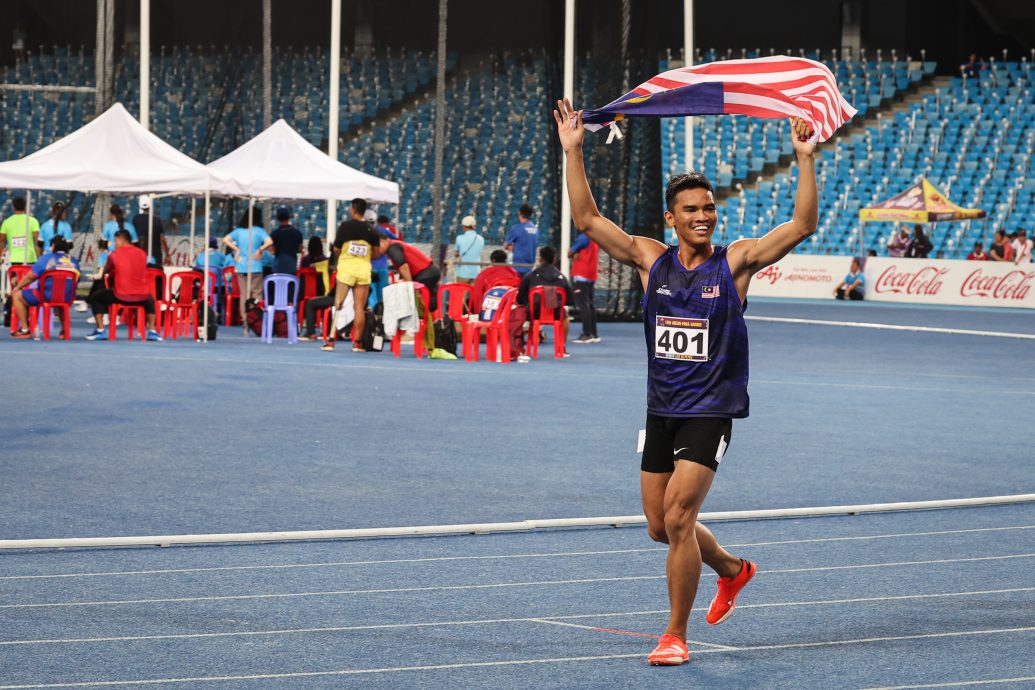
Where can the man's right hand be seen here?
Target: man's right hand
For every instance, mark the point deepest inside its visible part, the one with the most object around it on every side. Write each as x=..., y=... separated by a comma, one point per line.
x=570, y=129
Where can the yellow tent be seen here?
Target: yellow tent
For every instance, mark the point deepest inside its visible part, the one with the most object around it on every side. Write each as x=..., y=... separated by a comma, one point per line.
x=921, y=203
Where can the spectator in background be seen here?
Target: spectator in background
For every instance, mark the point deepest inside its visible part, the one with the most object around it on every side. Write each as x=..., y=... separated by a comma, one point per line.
x=126, y=272
x=97, y=277
x=247, y=264
x=497, y=275
x=149, y=232
x=379, y=266
x=1021, y=248
x=469, y=246
x=920, y=246
x=546, y=274
x=355, y=245
x=116, y=222
x=978, y=254
x=33, y=288
x=853, y=287
x=413, y=264
x=217, y=261
x=384, y=222
x=523, y=239
x=19, y=234
x=586, y=255
x=55, y=226
x=318, y=261
x=1000, y=249
x=972, y=67
x=899, y=243
x=286, y=242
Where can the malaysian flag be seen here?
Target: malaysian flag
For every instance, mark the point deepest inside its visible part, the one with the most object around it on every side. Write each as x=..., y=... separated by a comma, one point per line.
x=774, y=87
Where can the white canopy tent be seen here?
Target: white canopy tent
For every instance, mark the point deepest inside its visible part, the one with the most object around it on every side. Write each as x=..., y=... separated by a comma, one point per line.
x=280, y=164
x=115, y=153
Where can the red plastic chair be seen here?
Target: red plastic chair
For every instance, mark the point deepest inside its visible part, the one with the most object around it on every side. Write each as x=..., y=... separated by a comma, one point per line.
x=157, y=287
x=496, y=331
x=14, y=274
x=422, y=326
x=537, y=296
x=133, y=315
x=182, y=314
x=62, y=294
x=233, y=292
x=456, y=298
x=309, y=279
x=323, y=316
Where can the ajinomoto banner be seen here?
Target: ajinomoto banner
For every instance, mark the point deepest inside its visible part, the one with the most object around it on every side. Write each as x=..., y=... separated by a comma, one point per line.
x=801, y=275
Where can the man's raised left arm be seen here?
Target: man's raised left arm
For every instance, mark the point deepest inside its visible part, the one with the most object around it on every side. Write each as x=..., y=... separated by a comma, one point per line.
x=754, y=255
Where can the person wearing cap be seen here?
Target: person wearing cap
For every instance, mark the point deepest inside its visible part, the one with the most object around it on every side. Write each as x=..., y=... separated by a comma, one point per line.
x=286, y=242
x=55, y=226
x=147, y=235
x=469, y=246
x=19, y=234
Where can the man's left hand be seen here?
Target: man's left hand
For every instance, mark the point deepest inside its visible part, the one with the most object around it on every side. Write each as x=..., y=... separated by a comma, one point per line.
x=800, y=133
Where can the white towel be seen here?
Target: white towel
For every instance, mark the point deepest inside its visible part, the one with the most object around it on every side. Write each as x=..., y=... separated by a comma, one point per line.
x=347, y=314
x=400, y=308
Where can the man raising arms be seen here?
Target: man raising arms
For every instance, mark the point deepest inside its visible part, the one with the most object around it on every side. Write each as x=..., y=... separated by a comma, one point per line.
x=697, y=356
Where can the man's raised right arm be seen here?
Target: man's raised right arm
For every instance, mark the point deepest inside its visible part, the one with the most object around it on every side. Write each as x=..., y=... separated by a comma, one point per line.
x=639, y=252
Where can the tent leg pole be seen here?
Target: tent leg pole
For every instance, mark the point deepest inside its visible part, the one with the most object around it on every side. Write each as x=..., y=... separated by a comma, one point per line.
x=193, y=212
x=205, y=290
x=248, y=267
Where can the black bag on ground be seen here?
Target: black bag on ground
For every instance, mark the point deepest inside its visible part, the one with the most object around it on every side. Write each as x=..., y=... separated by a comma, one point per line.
x=280, y=322
x=445, y=334
x=374, y=329
x=213, y=324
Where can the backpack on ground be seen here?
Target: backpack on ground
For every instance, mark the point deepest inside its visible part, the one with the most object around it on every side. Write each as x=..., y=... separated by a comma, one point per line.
x=280, y=322
x=374, y=329
x=213, y=324
x=445, y=334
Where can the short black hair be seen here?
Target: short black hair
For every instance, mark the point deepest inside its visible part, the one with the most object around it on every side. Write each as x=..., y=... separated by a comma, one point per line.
x=60, y=244
x=687, y=180
x=18, y=203
x=498, y=256
x=124, y=234
x=526, y=210
x=547, y=254
x=315, y=247
x=102, y=244
x=359, y=206
x=382, y=220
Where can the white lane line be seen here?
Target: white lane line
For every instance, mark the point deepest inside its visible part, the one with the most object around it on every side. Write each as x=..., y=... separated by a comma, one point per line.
x=893, y=327
x=342, y=592
x=957, y=683
x=511, y=662
x=336, y=564
x=497, y=621
x=888, y=387
x=597, y=628
x=276, y=595
x=551, y=554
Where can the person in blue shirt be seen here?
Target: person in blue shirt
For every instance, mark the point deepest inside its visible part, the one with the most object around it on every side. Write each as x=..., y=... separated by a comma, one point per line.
x=469, y=246
x=853, y=287
x=523, y=240
x=217, y=260
x=245, y=241
x=55, y=226
x=117, y=222
x=379, y=266
x=31, y=291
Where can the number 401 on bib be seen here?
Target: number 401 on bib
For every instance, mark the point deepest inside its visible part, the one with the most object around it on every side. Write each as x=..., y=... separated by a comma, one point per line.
x=681, y=338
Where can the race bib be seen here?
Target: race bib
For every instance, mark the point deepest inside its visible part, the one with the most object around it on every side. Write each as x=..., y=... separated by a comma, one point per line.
x=681, y=338
x=18, y=242
x=360, y=249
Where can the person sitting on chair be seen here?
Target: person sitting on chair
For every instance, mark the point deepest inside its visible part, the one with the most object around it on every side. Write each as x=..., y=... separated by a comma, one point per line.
x=853, y=286
x=500, y=273
x=126, y=272
x=546, y=274
x=30, y=292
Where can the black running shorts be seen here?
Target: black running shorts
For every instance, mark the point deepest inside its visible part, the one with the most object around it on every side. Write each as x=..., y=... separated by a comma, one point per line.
x=698, y=439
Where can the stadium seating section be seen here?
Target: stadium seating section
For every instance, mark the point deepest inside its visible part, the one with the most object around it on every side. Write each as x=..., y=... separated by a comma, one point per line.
x=972, y=139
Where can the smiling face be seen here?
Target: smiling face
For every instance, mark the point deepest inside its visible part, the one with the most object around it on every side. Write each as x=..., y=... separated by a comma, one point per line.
x=693, y=216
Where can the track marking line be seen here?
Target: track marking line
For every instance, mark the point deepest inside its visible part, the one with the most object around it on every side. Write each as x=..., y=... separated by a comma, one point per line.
x=596, y=629
x=511, y=662
x=624, y=578
x=435, y=559
x=957, y=683
x=497, y=621
x=893, y=327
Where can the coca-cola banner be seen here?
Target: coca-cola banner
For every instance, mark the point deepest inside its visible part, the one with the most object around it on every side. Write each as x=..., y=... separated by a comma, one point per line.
x=972, y=283
x=801, y=275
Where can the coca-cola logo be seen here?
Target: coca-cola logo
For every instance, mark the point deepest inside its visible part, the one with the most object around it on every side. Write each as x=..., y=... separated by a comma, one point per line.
x=770, y=273
x=925, y=281
x=1014, y=285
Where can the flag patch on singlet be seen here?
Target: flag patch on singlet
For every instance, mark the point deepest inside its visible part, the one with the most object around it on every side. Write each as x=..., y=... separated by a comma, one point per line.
x=709, y=291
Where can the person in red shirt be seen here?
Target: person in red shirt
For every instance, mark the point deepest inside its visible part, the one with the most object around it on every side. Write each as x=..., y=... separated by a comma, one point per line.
x=978, y=254
x=499, y=274
x=584, y=276
x=125, y=276
x=413, y=264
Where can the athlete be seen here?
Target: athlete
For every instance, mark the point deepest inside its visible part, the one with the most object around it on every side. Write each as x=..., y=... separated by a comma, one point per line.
x=697, y=356
x=355, y=245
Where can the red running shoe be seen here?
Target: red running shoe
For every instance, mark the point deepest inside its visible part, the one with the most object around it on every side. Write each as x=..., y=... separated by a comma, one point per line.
x=729, y=587
x=671, y=651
